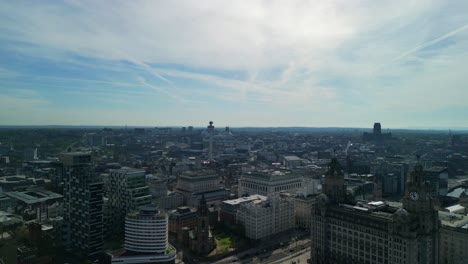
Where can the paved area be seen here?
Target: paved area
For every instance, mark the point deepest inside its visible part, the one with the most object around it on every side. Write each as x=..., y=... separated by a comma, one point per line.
x=297, y=251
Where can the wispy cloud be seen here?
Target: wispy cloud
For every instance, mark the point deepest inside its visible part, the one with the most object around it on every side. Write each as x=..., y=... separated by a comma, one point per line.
x=351, y=61
x=426, y=44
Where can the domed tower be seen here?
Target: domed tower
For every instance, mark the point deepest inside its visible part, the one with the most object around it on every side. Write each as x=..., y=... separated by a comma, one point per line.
x=334, y=186
x=423, y=220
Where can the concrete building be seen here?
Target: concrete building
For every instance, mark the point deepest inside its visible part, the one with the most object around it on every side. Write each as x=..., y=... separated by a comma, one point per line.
x=182, y=217
x=146, y=238
x=6, y=203
x=438, y=177
x=198, y=181
x=291, y=161
x=35, y=204
x=262, y=218
x=269, y=182
x=453, y=238
x=171, y=201
x=374, y=232
x=229, y=208
x=304, y=205
x=195, y=183
x=157, y=186
x=127, y=192
x=83, y=199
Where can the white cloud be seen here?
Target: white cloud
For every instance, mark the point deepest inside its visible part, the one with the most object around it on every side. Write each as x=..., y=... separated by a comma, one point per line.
x=293, y=52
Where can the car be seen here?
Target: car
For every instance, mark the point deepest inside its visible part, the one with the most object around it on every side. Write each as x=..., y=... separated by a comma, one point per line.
x=291, y=250
x=234, y=259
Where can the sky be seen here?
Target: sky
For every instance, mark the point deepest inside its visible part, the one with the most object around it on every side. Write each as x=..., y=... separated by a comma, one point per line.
x=403, y=63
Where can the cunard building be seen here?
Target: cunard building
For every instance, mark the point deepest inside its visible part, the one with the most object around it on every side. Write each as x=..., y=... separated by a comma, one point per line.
x=347, y=231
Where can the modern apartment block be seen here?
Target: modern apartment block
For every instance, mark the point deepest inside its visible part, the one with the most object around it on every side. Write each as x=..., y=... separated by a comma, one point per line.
x=264, y=217
x=146, y=238
x=127, y=191
x=347, y=231
x=82, y=204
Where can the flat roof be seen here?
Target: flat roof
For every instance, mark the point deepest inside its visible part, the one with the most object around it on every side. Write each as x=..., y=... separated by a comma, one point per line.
x=246, y=199
x=34, y=196
x=273, y=175
x=453, y=220
x=454, y=208
x=291, y=157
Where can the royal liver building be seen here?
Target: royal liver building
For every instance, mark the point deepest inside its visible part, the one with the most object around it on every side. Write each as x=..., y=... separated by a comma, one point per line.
x=348, y=231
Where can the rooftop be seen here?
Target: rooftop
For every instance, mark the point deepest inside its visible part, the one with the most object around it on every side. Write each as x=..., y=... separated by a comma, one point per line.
x=35, y=196
x=246, y=199
x=453, y=220
x=273, y=175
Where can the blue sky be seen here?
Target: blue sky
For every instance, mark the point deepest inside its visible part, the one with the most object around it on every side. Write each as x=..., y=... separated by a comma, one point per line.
x=238, y=63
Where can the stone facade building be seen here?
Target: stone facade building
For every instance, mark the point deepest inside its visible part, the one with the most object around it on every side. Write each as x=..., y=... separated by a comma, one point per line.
x=347, y=231
x=265, y=217
x=269, y=182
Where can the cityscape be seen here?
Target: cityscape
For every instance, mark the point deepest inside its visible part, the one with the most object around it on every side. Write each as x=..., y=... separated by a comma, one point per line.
x=223, y=195
x=216, y=131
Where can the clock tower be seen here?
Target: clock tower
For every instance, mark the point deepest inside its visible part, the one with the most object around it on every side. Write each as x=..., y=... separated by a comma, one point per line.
x=424, y=219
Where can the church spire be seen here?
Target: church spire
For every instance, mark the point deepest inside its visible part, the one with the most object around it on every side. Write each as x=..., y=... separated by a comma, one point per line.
x=203, y=207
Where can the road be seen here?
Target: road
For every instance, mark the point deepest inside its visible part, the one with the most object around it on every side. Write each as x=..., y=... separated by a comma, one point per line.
x=285, y=254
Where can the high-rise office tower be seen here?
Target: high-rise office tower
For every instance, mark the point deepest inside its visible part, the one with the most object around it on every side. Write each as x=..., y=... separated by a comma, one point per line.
x=127, y=191
x=82, y=198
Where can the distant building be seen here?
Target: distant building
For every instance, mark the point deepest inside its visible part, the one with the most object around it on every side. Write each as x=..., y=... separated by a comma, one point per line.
x=83, y=200
x=30, y=154
x=6, y=203
x=376, y=134
x=291, y=162
x=146, y=238
x=262, y=218
x=438, y=177
x=95, y=140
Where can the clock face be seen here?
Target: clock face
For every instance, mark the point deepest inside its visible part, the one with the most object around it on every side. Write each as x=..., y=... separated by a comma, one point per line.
x=414, y=196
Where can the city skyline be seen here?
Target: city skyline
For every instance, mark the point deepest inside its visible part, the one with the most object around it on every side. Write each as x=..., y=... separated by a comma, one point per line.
x=255, y=64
